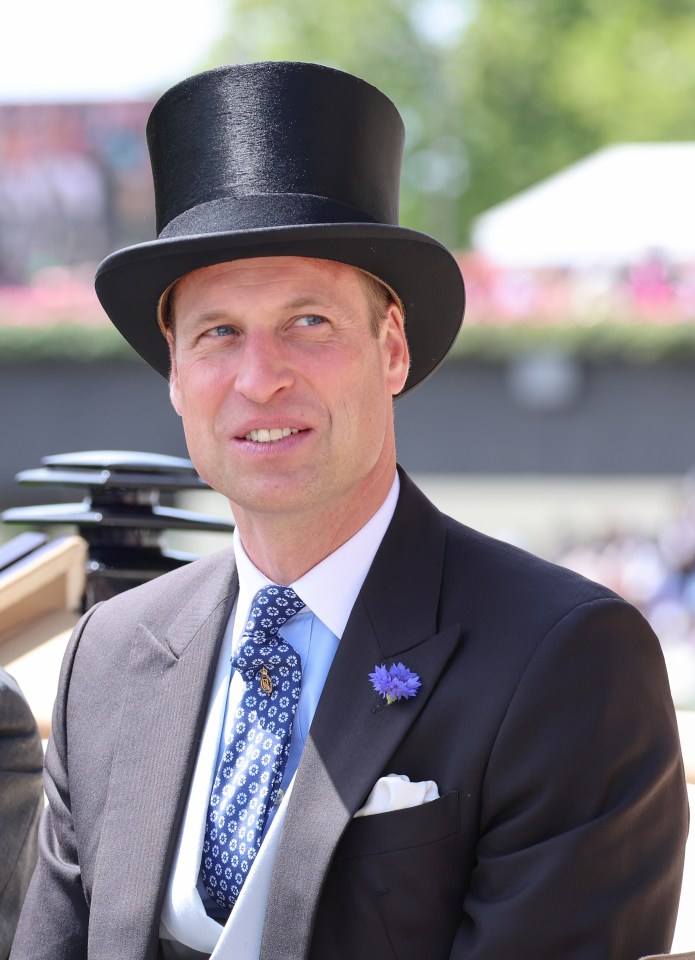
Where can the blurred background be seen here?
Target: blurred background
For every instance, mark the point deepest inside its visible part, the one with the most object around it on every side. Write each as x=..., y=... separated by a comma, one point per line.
x=550, y=143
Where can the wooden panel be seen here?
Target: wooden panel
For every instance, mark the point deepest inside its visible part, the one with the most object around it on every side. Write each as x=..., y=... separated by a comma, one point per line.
x=40, y=598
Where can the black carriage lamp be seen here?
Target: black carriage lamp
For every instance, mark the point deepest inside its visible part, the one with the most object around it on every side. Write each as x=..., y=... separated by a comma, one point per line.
x=120, y=517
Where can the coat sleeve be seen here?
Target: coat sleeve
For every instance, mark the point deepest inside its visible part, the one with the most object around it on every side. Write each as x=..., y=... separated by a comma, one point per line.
x=584, y=808
x=21, y=800
x=55, y=918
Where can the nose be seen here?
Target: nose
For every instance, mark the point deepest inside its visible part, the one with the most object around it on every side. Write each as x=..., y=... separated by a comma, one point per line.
x=263, y=369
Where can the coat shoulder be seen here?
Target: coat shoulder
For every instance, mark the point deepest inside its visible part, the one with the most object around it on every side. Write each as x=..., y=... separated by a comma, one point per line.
x=516, y=570
x=208, y=580
x=516, y=604
x=489, y=584
x=172, y=608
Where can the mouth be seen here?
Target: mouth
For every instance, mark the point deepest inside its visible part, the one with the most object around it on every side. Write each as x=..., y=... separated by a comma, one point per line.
x=271, y=435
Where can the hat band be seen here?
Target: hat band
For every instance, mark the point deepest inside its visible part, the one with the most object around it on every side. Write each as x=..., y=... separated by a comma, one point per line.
x=261, y=211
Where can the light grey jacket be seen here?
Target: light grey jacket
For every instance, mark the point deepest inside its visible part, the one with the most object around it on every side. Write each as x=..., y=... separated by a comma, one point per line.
x=21, y=802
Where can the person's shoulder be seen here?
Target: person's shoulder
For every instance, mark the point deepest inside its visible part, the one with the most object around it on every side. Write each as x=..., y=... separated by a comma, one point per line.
x=206, y=582
x=515, y=606
x=11, y=696
x=511, y=593
x=482, y=570
x=21, y=747
x=513, y=568
x=8, y=685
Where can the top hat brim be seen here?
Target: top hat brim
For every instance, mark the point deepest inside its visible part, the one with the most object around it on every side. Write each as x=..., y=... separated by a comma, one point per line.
x=420, y=270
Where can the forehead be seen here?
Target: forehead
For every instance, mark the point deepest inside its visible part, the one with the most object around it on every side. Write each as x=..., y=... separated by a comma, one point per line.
x=261, y=276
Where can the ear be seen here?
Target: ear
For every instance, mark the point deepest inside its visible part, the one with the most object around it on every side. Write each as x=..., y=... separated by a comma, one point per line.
x=174, y=392
x=397, y=355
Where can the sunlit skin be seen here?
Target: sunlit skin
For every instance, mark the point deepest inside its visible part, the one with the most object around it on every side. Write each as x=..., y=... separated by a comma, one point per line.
x=285, y=342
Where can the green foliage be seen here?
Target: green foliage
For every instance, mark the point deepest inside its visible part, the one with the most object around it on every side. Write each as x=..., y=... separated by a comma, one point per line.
x=62, y=342
x=548, y=81
x=604, y=340
x=495, y=94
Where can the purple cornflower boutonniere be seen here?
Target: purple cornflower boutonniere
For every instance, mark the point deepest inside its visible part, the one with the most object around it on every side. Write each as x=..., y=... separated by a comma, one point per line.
x=396, y=683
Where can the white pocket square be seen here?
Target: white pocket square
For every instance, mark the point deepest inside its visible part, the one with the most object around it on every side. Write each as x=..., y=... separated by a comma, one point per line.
x=396, y=792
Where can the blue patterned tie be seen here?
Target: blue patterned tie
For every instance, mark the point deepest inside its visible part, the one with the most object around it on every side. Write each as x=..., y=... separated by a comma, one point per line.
x=252, y=764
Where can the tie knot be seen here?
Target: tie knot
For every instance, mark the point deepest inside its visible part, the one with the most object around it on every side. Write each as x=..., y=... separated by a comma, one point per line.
x=260, y=645
x=271, y=608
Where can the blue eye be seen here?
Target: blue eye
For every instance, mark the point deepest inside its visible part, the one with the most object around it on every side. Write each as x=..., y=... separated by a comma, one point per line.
x=223, y=331
x=310, y=320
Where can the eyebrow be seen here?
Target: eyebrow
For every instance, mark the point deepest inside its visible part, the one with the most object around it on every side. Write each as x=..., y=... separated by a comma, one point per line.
x=301, y=302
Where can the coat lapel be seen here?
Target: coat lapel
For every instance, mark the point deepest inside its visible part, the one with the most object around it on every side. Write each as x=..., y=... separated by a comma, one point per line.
x=167, y=690
x=354, y=733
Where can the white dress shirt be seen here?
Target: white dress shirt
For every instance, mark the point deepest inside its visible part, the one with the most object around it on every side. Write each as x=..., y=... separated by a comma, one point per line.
x=329, y=591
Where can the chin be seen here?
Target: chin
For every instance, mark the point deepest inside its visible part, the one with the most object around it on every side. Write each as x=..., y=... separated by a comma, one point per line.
x=267, y=497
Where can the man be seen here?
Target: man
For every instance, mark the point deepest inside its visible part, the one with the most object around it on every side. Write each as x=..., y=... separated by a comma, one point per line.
x=366, y=731
x=21, y=802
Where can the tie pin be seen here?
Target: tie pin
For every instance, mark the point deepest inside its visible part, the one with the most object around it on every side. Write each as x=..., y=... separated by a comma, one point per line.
x=266, y=682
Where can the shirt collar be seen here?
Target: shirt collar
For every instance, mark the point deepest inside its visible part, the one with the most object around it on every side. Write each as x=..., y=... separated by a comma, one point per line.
x=330, y=588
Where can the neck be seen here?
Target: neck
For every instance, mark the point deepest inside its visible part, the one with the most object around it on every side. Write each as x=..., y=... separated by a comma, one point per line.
x=284, y=548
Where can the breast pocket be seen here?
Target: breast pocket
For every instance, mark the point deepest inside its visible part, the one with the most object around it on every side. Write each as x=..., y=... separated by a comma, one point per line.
x=401, y=829
x=395, y=887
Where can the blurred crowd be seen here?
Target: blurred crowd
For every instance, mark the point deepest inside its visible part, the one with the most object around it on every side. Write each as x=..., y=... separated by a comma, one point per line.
x=54, y=295
x=653, y=289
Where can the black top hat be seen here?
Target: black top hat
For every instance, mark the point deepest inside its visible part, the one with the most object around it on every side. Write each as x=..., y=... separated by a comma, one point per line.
x=281, y=159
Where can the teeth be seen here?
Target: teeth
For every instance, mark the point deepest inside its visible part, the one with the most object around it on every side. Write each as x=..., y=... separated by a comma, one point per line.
x=270, y=436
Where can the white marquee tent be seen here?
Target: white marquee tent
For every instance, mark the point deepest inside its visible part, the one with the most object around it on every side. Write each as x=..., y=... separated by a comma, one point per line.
x=610, y=209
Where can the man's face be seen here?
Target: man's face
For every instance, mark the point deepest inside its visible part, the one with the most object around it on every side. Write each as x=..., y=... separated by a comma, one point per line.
x=285, y=392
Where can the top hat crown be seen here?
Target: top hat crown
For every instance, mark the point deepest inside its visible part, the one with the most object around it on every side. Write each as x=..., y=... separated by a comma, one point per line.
x=269, y=144
x=281, y=159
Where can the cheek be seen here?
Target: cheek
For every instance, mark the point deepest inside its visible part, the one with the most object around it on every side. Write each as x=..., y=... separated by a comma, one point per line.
x=199, y=403
x=364, y=411
x=198, y=420
x=202, y=387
